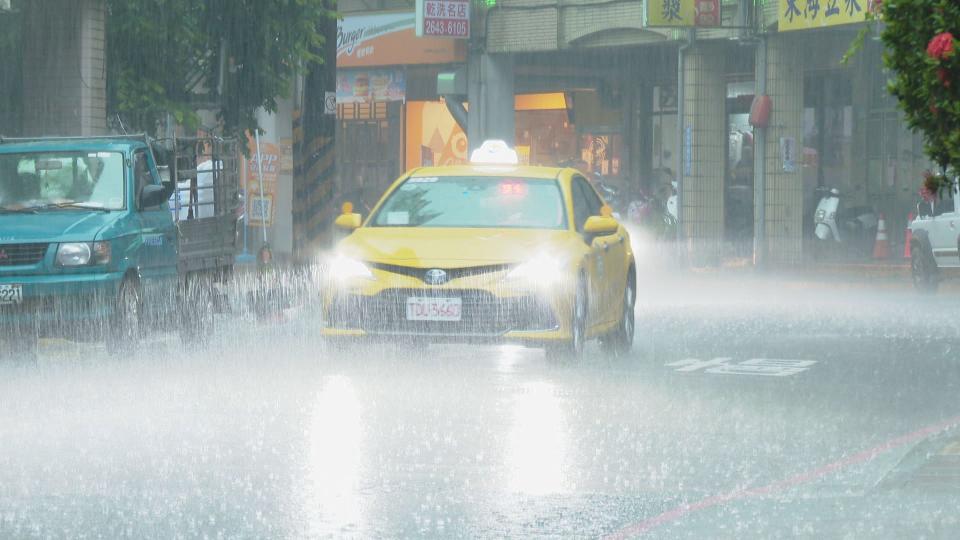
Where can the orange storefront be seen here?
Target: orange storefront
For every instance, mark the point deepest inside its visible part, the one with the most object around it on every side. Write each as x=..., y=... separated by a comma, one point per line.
x=392, y=120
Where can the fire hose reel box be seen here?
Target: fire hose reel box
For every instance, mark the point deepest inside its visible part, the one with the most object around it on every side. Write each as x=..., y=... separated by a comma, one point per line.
x=760, y=111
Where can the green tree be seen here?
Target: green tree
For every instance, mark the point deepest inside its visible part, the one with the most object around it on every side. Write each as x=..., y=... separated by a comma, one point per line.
x=233, y=56
x=921, y=51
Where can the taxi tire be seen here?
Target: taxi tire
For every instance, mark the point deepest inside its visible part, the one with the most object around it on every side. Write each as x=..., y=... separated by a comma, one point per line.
x=123, y=333
x=572, y=348
x=923, y=270
x=619, y=341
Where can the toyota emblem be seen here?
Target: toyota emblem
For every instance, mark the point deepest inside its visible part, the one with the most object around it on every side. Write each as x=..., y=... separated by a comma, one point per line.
x=435, y=276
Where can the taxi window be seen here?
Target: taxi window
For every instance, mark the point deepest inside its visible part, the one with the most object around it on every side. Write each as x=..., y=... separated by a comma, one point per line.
x=466, y=201
x=586, y=203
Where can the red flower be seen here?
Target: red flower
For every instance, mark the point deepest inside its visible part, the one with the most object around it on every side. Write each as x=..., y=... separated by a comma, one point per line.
x=944, y=77
x=934, y=110
x=929, y=187
x=941, y=46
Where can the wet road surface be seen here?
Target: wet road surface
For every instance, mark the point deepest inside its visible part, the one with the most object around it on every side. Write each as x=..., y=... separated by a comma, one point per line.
x=748, y=408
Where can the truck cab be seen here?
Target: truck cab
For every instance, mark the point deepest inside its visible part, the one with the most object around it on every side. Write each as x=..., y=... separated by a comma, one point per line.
x=89, y=245
x=935, y=244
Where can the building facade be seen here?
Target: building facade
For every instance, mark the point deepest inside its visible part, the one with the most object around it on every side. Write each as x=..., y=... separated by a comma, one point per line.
x=595, y=83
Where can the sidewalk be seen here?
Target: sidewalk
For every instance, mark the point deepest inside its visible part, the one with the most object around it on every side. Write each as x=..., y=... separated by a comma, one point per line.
x=893, y=274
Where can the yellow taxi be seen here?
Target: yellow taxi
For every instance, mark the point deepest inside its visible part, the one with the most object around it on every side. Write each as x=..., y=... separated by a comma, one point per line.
x=491, y=251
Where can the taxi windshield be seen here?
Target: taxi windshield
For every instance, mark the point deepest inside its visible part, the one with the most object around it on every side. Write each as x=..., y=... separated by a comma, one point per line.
x=474, y=202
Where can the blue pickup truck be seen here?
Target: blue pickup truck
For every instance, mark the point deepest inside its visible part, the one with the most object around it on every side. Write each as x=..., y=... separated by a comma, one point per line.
x=100, y=240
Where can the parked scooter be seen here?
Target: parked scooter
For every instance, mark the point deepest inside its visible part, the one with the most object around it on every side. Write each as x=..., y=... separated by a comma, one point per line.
x=611, y=195
x=855, y=227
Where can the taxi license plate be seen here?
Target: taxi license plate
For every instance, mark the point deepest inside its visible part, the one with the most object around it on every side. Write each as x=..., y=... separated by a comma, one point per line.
x=433, y=309
x=11, y=294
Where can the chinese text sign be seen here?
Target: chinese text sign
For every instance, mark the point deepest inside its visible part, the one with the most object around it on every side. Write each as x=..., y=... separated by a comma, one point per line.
x=443, y=18
x=683, y=12
x=803, y=14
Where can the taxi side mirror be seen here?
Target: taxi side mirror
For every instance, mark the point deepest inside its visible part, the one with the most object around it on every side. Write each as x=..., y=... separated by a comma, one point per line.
x=600, y=225
x=348, y=222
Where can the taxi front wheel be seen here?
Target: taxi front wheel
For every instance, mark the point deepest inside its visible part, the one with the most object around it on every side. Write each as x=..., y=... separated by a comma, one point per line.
x=620, y=340
x=572, y=348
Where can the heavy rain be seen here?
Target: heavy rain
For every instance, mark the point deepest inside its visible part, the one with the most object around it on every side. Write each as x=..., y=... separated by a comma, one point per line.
x=479, y=269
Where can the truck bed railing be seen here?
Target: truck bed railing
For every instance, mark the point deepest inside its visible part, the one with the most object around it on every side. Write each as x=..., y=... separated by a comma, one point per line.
x=206, y=198
x=136, y=137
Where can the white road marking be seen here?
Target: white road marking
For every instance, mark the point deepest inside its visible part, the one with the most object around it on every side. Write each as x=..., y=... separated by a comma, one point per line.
x=766, y=367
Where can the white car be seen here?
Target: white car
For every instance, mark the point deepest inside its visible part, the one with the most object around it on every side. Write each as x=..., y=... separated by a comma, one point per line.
x=936, y=241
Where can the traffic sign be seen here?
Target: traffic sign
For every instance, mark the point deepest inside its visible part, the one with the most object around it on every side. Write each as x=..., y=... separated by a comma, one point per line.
x=330, y=103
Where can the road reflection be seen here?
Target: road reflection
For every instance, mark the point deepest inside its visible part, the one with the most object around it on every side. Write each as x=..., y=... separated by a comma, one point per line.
x=336, y=447
x=537, y=444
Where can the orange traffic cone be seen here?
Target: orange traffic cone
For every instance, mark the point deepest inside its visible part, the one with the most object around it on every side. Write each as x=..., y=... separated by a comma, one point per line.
x=881, y=248
x=908, y=237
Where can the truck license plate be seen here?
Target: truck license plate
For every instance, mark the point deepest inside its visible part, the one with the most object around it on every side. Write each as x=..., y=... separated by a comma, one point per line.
x=433, y=309
x=11, y=294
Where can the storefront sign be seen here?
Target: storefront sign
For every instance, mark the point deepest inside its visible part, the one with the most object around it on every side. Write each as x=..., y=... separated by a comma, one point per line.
x=260, y=200
x=443, y=18
x=388, y=39
x=804, y=14
x=683, y=13
x=369, y=85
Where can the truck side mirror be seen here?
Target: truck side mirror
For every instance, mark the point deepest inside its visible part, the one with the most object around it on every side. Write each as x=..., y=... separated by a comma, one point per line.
x=152, y=195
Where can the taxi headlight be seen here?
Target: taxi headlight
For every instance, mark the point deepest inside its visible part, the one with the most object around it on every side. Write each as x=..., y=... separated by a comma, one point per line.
x=542, y=269
x=342, y=268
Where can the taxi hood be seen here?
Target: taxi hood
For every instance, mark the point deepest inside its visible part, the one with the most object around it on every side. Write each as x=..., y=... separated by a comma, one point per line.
x=450, y=248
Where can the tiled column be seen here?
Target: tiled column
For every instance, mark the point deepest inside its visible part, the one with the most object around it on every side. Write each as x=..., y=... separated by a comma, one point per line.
x=702, y=154
x=784, y=188
x=64, y=68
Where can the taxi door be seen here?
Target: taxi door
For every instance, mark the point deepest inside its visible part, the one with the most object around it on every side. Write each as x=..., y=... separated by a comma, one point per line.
x=607, y=254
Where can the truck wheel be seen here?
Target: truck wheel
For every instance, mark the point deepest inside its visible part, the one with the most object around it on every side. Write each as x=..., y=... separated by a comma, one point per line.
x=619, y=342
x=923, y=268
x=123, y=335
x=196, y=311
x=572, y=349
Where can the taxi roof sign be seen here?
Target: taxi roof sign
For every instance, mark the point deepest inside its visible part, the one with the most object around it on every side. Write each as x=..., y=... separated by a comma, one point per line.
x=494, y=152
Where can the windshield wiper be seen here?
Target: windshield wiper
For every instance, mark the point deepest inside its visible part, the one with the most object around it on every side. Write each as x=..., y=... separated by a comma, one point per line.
x=22, y=210
x=71, y=204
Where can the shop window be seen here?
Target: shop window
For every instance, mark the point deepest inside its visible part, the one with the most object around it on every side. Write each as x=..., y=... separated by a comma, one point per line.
x=602, y=153
x=664, y=130
x=828, y=135
x=545, y=137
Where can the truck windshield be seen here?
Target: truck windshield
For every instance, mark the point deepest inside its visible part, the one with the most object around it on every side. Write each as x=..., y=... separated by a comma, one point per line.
x=43, y=180
x=474, y=202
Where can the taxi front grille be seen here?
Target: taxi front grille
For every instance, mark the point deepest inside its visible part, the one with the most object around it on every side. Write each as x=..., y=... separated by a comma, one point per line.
x=452, y=273
x=21, y=254
x=482, y=314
